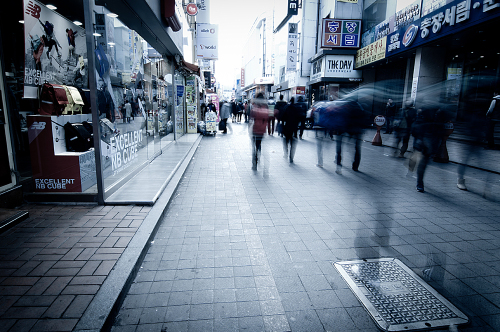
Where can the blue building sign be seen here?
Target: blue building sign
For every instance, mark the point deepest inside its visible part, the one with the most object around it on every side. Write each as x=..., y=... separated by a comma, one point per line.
x=449, y=19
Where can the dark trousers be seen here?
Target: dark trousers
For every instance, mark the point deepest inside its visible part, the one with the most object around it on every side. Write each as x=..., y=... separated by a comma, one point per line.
x=256, y=148
x=357, y=149
x=302, y=125
x=402, y=135
x=289, y=140
x=270, y=125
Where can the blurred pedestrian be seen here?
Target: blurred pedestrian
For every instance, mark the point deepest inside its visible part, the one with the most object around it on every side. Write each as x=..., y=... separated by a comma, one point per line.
x=493, y=116
x=291, y=119
x=258, y=122
x=402, y=127
x=426, y=134
x=271, y=104
x=240, y=109
x=279, y=110
x=248, y=107
x=390, y=113
x=128, y=111
x=301, y=105
x=225, y=113
x=475, y=129
x=350, y=122
x=234, y=111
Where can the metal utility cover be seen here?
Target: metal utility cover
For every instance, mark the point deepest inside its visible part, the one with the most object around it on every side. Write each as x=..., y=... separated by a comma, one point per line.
x=396, y=298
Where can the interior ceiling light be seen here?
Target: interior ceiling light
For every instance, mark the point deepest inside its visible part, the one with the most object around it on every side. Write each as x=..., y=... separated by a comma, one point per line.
x=51, y=7
x=482, y=56
x=111, y=44
x=21, y=21
x=111, y=15
x=77, y=23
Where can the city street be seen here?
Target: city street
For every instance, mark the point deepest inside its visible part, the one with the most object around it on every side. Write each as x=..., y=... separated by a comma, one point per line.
x=254, y=250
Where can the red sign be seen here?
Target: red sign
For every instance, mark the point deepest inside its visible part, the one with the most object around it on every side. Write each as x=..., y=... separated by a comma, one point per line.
x=300, y=90
x=191, y=9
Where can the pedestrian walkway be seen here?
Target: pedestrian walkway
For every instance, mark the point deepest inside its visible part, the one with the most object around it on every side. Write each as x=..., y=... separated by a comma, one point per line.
x=64, y=267
x=254, y=250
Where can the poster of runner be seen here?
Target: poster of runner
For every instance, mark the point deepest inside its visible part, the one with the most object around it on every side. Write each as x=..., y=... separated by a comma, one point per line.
x=55, y=50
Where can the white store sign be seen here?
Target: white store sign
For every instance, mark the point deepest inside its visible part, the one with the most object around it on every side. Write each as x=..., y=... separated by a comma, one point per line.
x=207, y=46
x=336, y=66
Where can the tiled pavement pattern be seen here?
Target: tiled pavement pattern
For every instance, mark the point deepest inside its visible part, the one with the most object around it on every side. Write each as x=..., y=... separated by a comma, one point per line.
x=53, y=264
x=244, y=250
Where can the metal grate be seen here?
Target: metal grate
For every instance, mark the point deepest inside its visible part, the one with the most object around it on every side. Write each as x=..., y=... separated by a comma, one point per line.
x=397, y=298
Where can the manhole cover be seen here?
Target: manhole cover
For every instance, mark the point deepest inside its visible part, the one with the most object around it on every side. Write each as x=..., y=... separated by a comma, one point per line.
x=397, y=298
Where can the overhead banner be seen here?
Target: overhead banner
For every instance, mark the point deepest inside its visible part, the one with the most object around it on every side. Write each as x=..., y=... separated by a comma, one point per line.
x=55, y=50
x=207, y=41
x=293, y=40
x=338, y=33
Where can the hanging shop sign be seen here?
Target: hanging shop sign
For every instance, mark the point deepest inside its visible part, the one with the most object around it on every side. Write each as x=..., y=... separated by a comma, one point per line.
x=340, y=33
x=293, y=7
x=242, y=77
x=207, y=41
x=191, y=9
x=203, y=11
x=55, y=50
x=293, y=41
x=371, y=53
x=335, y=66
x=447, y=20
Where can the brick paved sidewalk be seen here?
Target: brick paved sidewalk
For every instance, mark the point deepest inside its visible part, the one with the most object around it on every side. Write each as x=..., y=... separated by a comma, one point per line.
x=244, y=250
x=53, y=264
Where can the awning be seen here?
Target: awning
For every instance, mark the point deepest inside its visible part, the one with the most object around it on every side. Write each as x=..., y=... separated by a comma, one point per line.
x=192, y=68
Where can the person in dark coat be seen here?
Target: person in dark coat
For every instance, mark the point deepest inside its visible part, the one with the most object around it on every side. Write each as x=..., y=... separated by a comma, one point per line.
x=426, y=134
x=279, y=110
x=404, y=121
x=350, y=122
x=390, y=113
x=301, y=105
x=291, y=119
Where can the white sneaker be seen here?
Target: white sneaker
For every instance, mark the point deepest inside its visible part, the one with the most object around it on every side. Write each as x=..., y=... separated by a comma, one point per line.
x=461, y=184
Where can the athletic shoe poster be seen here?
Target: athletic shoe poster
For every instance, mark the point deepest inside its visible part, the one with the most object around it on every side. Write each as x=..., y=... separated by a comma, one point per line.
x=55, y=50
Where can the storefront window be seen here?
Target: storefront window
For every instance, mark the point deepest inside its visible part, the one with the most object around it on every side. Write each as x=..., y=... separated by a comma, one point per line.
x=179, y=104
x=134, y=99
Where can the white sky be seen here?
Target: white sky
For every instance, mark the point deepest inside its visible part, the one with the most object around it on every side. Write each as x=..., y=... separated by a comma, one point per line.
x=235, y=19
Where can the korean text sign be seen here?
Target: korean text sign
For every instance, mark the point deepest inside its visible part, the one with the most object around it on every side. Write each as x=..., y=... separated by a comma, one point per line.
x=340, y=33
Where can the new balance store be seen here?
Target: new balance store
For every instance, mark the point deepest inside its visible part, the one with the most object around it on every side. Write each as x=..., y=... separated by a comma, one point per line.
x=447, y=55
x=58, y=98
x=333, y=75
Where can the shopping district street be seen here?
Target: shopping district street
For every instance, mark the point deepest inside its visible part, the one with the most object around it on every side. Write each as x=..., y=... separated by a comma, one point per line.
x=228, y=248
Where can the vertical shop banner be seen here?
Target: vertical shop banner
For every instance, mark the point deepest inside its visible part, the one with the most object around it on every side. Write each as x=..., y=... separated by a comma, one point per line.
x=55, y=50
x=293, y=40
x=207, y=46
